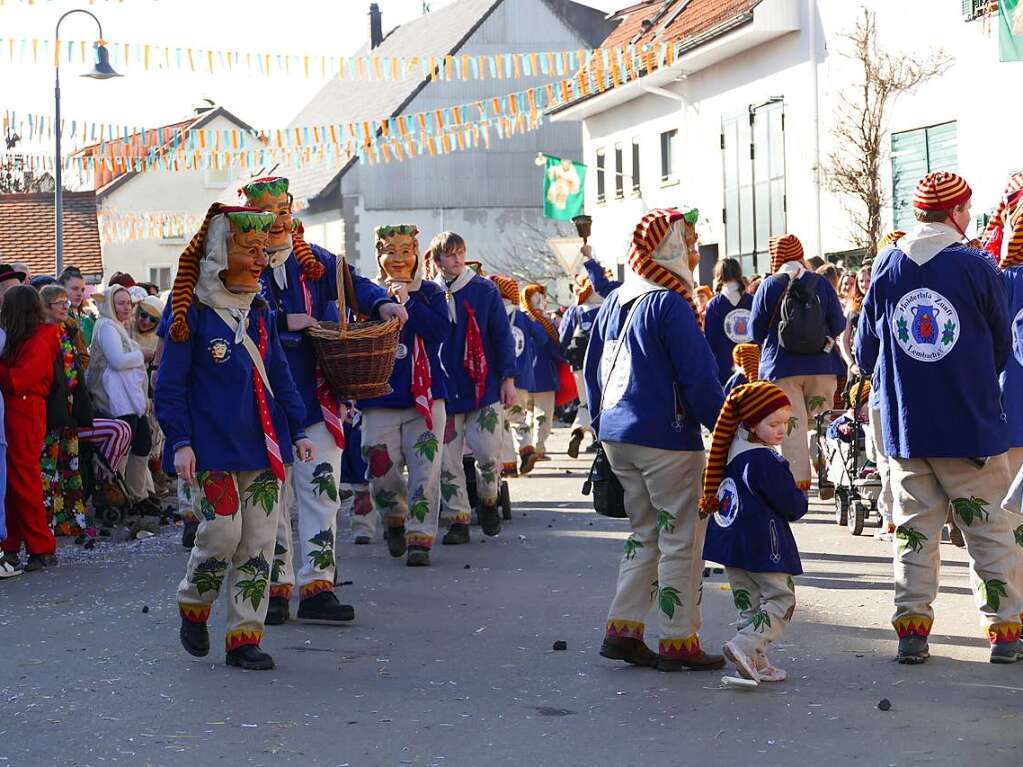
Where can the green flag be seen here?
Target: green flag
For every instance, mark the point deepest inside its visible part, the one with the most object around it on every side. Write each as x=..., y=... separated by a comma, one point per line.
x=564, y=185
x=1010, y=30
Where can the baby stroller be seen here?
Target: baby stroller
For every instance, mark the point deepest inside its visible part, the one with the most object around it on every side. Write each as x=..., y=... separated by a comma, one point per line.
x=504, y=494
x=846, y=462
x=104, y=486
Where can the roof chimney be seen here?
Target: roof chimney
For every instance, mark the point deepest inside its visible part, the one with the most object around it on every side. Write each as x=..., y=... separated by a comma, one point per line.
x=376, y=26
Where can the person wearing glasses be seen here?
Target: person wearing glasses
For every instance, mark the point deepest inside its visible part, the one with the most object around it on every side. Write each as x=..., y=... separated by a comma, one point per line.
x=147, y=315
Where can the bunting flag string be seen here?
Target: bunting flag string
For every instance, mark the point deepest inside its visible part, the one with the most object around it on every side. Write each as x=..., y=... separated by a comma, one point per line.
x=112, y=139
x=118, y=227
x=148, y=57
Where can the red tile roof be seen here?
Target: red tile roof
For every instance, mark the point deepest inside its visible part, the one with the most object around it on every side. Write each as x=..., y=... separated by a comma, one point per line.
x=696, y=18
x=122, y=152
x=26, y=231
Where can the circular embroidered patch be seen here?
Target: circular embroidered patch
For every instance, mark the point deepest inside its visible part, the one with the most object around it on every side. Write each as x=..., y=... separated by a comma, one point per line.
x=586, y=326
x=1017, y=333
x=925, y=325
x=520, y=340
x=738, y=327
x=728, y=503
x=401, y=352
x=220, y=350
x=618, y=378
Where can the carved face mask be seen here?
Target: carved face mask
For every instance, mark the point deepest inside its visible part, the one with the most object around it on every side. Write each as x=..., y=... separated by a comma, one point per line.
x=398, y=252
x=272, y=196
x=247, y=239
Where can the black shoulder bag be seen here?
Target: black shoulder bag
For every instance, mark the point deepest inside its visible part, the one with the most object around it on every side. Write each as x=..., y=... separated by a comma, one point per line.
x=608, y=493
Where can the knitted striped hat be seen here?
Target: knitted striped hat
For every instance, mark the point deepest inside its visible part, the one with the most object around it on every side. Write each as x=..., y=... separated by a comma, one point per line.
x=476, y=266
x=1007, y=216
x=647, y=236
x=506, y=286
x=890, y=239
x=784, y=248
x=941, y=191
x=747, y=356
x=187, y=277
x=584, y=289
x=526, y=305
x=311, y=266
x=748, y=405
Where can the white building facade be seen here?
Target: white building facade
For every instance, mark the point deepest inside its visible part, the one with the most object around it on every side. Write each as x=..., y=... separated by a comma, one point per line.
x=742, y=124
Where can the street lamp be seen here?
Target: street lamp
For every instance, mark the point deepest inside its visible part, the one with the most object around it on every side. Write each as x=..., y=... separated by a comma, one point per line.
x=101, y=70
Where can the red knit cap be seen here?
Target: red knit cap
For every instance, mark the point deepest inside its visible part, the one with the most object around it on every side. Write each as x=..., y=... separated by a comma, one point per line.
x=784, y=248
x=749, y=405
x=941, y=191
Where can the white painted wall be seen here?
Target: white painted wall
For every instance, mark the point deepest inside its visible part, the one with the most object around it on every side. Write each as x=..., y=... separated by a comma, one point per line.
x=975, y=93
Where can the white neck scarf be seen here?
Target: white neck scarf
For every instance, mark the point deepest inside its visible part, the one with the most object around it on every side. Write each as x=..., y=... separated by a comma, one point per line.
x=449, y=290
x=732, y=292
x=210, y=289
x=926, y=241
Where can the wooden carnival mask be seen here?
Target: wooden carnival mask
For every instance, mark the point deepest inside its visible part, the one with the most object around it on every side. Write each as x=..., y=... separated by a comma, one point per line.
x=247, y=239
x=272, y=196
x=398, y=251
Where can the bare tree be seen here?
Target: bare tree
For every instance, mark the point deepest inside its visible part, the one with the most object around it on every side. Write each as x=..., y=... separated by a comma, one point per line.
x=861, y=123
x=525, y=254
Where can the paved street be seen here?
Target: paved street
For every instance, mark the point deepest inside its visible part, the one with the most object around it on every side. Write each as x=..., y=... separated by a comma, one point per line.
x=453, y=665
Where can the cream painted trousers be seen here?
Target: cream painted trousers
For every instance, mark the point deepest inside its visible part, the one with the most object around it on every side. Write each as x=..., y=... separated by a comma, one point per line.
x=765, y=602
x=531, y=420
x=809, y=395
x=481, y=431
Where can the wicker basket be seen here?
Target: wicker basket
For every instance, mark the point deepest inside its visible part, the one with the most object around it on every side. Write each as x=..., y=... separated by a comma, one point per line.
x=357, y=358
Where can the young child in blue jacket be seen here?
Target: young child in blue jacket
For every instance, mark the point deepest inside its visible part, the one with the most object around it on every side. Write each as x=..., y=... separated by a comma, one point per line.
x=752, y=497
x=727, y=320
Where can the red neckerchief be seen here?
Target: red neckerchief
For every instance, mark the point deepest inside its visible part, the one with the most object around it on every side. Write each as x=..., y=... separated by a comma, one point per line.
x=475, y=359
x=422, y=382
x=273, y=448
x=328, y=405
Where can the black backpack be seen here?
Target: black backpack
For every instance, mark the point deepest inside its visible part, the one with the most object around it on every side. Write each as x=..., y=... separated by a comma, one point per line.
x=575, y=352
x=802, y=329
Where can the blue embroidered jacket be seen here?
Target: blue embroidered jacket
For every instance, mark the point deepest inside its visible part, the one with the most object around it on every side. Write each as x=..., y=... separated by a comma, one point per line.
x=482, y=297
x=776, y=362
x=736, y=380
x=1011, y=380
x=757, y=500
x=666, y=376
x=298, y=347
x=526, y=334
x=428, y=319
x=205, y=395
x=714, y=327
x=935, y=337
x=602, y=286
x=547, y=358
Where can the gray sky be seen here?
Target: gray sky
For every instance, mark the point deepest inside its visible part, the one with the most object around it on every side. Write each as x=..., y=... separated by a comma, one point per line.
x=325, y=27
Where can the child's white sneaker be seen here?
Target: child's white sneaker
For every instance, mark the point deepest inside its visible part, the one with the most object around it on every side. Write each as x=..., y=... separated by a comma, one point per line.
x=742, y=662
x=767, y=672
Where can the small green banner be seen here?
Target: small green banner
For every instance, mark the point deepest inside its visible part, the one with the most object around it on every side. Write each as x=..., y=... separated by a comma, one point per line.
x=1010, y=30
x=564, y=188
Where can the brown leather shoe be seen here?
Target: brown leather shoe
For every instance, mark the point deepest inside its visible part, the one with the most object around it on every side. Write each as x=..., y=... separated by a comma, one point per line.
x=701, y=662
x=629, y=650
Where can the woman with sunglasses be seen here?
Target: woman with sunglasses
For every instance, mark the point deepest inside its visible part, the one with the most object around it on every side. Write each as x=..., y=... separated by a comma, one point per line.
x=148, y=313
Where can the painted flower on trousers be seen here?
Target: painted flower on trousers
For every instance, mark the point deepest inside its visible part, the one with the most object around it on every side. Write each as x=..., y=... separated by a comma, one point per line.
x=815, y=403
x=220, y=494
x=971, y=509
x=791, y=584
x=741, y=599
x=209, y=575
x=363, y=504
x=385, y=499
x=487, y=419
x=448, y=487
x=1018, y=534
x=489, y=472
x=263, y=492
x=450, y=431
x=278, y=568
x=426, y=446
x=632, y=546
x=665, y=521
x=668, y=599
x=910, y=539
x=323, y=481
x=378, y=460
x=761, y=621
x=992, y=592
x=419, y=507
x=793, y=423
x=322, y=555
x=253, y=588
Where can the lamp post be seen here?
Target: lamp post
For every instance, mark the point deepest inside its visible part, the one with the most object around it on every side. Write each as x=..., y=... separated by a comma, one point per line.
x=101, y=70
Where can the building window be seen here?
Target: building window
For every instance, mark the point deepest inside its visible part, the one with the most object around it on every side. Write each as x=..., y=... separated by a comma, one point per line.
x=600, y=175
x=619, y=172
x=753, y=145
x=975, y=9
x=635, y=165
x=160, y=276
x=216, y=178
x=915, y=153
x=669, y=155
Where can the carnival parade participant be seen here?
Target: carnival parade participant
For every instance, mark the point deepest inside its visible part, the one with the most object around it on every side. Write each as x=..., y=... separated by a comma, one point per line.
x=230, y=412
x=533, y=427
x=746, y=359
x=727, y=318
x=525, y=334
x=301, y=288
x=479, y=358
x=574, y=337
x=807, y=376
x=353, y=479
x=26, y=376
x=602, y=283
x=401, y=430
x=651, y=381
x=935, y=332
x=750, y=496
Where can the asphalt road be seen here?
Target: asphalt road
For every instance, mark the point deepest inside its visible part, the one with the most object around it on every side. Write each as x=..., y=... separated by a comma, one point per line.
x=453, y=665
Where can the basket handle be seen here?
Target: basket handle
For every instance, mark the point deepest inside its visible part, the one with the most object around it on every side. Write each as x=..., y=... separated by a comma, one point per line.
x=345, y=295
